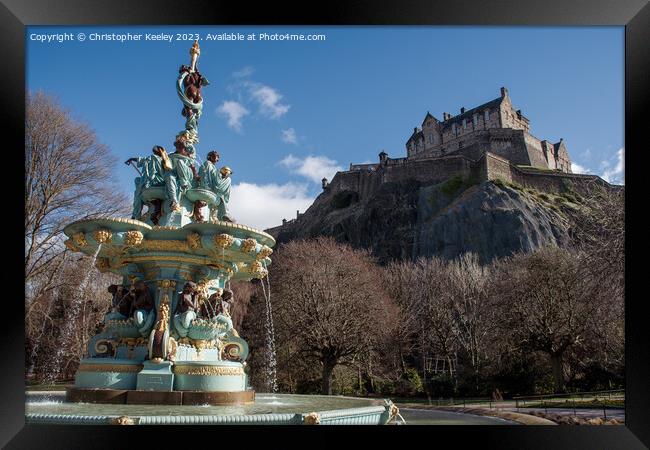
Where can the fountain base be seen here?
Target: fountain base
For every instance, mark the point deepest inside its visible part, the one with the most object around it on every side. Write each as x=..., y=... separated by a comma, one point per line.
x=135, y=397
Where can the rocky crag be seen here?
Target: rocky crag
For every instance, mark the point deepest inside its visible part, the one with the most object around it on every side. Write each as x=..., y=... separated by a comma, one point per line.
x=407, y=219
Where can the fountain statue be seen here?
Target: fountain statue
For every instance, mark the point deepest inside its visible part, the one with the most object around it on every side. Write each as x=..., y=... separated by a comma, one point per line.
x=168, y=338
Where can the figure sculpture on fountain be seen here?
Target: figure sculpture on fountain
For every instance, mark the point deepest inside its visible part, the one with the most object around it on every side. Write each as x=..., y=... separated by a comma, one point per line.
x=217, y=181
x=142, y=306
x=188, y=306
x=151, y=169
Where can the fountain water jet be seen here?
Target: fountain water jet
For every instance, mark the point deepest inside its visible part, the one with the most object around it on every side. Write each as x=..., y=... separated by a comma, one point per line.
x=70, y=322
x=270, y=338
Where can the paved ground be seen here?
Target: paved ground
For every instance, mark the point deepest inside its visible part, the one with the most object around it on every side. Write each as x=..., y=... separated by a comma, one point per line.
x=414, y=416
x=618, y=414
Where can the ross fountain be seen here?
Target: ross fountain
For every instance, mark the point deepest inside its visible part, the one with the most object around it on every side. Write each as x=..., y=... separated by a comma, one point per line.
x=168, y=352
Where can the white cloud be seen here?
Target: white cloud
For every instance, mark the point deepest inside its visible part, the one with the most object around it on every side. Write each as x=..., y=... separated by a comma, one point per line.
x=586, y=154
x=264, y=206
x=614, y=174
x=577, y=168
x=314, y=168
x=244, y=72
x=234, y=112
x=289, y=136
x=268, y=100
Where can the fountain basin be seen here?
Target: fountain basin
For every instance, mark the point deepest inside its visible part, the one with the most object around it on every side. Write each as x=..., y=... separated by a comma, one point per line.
x=270, y=409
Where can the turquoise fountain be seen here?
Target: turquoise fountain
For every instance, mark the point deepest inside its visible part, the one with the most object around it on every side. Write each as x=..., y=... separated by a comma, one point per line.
x=168, y=338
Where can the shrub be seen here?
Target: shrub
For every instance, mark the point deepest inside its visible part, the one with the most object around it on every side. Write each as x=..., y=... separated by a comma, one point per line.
x=409, y=384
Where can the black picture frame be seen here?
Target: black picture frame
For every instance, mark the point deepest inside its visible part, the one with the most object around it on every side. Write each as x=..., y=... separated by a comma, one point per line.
x=634, y=15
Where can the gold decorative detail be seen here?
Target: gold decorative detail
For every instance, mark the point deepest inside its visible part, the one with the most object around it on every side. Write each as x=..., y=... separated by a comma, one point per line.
x=248, y=245
x=70, y=245
x=163, y=314
x=207, y=370
x=166, y=246
x=223, y=240
x=257, y=270
x=262, y=235
x=231, y=351
x=147, y=258
x=202, y=344
x=122, y=420
x=194, y=240
x=265, y=252
x=79, y=239
x=132, y=238
x=105, y=346
x=202, y=289
x=103, y=236
x=173, y=346
x=394, y=411
x=312, y=418
x=166, y=284
x=132, y=342
x=109, y=367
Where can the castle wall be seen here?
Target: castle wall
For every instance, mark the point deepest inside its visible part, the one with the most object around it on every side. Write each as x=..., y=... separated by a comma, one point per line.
x=367, y=182
x=491, y=167
x=428, y=170
x=536, y=153
x=509, y=117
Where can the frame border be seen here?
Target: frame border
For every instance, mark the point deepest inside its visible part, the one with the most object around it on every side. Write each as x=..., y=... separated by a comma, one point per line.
x=633, y=14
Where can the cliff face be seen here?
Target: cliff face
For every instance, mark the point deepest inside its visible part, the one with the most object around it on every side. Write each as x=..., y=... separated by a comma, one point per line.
x=408, y=219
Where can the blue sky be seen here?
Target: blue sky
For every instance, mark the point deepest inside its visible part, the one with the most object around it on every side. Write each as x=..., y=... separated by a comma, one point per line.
x=283, y=114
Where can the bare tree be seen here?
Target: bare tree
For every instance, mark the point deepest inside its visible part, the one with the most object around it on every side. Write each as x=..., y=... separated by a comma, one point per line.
x=329, y=297
x=403, y=284
x=474, y=322
x=67, y=178
x=436, y=310
x=546, y=303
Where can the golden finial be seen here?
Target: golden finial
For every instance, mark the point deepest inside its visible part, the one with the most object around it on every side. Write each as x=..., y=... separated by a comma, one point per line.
x=195, y=51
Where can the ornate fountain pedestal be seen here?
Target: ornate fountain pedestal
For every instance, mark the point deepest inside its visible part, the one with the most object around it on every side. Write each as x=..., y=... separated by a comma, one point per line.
x=168, y=339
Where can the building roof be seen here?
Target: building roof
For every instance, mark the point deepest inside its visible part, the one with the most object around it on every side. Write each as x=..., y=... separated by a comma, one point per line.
x=470, y=112
x=427, y=116
x=416, y=133
x=557, y=146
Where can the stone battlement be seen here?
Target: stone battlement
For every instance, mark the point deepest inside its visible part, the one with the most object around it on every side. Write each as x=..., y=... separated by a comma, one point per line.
x=366, y=179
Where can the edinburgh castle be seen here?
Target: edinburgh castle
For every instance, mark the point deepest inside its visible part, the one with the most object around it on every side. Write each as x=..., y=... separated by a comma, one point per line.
x=437, y=198
x=490, y=141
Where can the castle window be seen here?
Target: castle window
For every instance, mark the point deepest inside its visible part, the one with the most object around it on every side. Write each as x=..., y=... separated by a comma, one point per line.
x=475, y=120
x=453, y=128
x=464, y=123
x=486, y=115
x=431, y=139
